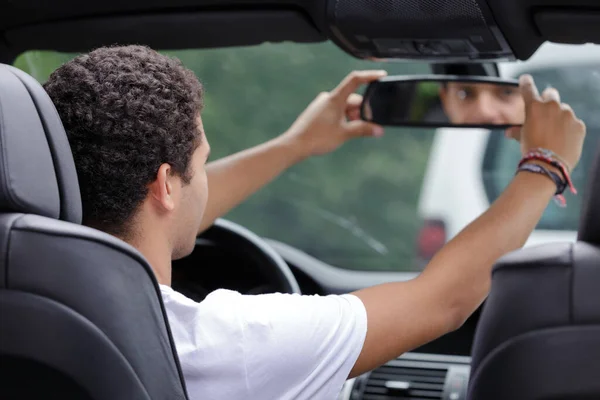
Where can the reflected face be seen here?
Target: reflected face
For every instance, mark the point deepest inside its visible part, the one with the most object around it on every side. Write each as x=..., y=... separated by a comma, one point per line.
x=481, y=103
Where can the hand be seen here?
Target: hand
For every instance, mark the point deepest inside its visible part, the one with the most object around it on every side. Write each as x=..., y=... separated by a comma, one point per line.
x=549, y=124
x=333, y=118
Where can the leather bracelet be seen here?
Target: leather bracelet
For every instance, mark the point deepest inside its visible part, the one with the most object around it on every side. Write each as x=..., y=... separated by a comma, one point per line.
x=540, y=157
x=553, y=155
x=561, y=185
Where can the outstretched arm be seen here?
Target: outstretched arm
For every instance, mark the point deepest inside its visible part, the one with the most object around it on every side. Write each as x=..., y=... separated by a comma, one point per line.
x=402, y=316
x=233, y=179
x=328, y=122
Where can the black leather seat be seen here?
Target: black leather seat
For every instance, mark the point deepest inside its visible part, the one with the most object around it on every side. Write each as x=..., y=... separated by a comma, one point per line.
x=539, y=333
x=81, y=315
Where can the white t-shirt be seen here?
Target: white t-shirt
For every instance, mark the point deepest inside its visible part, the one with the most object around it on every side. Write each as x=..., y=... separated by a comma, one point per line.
x=266, y=347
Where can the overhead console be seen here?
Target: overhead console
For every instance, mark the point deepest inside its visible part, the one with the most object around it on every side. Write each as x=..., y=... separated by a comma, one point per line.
x=452, y=30
x=458, y=30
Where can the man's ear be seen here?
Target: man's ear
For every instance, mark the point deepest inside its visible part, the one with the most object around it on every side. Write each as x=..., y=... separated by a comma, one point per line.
x=162, y=190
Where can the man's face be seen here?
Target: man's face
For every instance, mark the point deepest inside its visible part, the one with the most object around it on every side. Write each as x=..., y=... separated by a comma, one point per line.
x=480, y=103
x=193, y=200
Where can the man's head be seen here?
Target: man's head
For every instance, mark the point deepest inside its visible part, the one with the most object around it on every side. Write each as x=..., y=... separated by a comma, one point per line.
x=481, y=103
x=132, y=117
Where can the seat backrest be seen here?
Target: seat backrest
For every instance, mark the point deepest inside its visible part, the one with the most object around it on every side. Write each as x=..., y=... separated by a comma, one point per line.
x=538, y=337
x=81, y=316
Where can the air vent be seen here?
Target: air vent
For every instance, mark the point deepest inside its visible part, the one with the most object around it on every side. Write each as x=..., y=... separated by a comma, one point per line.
x=406, y=380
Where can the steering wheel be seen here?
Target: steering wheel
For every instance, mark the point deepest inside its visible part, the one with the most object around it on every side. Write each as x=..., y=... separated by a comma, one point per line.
x=270, y=264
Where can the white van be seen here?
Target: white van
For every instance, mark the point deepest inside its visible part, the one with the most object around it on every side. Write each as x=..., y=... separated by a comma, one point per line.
x=469, y=168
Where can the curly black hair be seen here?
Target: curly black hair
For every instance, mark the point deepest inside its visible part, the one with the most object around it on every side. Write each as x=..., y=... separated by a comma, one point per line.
x=126, y=111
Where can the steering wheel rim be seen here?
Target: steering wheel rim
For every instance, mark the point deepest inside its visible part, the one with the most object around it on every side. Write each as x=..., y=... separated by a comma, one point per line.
x=270, y=263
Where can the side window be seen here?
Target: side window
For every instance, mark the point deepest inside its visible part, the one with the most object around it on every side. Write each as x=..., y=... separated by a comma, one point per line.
x=578, y=87
x=499, y=164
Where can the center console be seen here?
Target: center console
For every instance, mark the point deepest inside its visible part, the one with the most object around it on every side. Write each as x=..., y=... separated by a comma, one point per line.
x=413, y=376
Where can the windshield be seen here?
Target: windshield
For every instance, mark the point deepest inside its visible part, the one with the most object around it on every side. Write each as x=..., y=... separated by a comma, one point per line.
x=356, y=208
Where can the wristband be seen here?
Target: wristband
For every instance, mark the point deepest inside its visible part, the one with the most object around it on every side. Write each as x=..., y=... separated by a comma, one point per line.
x=541, y=157
x=561, y=185
x=553, y=155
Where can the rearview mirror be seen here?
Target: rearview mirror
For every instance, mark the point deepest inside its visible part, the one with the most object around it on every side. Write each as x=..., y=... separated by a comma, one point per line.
x=444, y=101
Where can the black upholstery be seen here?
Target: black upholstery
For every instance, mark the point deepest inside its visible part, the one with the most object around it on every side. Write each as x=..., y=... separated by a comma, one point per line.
x=589, y=223
x=28, y=181
x=64, y=167
x=538, y=336
x=81, y=315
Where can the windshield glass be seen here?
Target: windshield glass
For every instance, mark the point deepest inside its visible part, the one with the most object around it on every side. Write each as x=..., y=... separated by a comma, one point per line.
x=356, y=208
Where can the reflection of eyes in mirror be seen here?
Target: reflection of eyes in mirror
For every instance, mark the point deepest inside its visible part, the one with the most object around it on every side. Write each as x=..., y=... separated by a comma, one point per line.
x=481, y=103
x=471, y=92
x=446, y=103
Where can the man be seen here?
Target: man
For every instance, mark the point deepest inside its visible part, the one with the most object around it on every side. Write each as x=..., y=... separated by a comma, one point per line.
x=478, y=103
x=482, y=103
x=134, y=123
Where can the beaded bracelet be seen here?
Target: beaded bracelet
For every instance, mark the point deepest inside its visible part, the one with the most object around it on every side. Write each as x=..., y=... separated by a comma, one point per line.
x=553, y=155
x=548, y=160
x=561, y=185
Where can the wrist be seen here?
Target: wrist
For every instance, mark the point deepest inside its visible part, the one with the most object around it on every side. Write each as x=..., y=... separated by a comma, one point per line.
x=536, y=183
x=291, y=148
x=543, y=162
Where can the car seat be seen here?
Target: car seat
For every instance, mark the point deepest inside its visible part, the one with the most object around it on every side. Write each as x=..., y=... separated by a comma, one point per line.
x=81, y=315
x=538, y=337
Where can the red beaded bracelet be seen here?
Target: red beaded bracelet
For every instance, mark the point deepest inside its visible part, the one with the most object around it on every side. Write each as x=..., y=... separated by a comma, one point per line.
x=539, y=156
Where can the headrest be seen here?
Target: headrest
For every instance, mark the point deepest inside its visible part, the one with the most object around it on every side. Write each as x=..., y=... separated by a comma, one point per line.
x=37, y=171
x=589, y=223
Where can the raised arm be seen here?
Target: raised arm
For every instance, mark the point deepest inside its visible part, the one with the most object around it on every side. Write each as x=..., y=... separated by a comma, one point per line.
x=329, y=121
x=405, y=315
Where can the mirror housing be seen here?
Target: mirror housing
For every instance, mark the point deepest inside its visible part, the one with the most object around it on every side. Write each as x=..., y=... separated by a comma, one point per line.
x=444, y=101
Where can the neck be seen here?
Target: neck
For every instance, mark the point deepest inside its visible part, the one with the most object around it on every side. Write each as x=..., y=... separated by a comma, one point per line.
x=157, y=252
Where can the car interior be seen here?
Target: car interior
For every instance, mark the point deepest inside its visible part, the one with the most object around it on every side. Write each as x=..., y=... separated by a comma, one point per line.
x=81, y=316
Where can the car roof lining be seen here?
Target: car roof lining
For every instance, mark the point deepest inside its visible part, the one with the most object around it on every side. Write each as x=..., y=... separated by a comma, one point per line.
x=19, y=13
x=193, y=29
x=75, y=25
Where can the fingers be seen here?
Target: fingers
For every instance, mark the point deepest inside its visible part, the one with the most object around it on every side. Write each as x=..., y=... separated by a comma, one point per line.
x=549, y=124
x=551, y=94
x=569, y=110
x=354, y=80
x=528, y=90
x=354, y=100
x=361, y=128
x=353, y=106
x=353, y=115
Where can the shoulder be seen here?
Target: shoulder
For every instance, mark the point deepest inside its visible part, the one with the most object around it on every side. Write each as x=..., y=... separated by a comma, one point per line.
x=275, y=343
x=264, y=316
x=220, y=307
